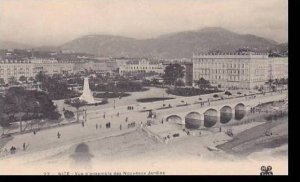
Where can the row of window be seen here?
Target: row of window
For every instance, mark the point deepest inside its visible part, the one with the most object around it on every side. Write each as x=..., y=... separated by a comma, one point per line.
x=218, y=77
x=208, y=71
x=227, y=65
x=144, y=68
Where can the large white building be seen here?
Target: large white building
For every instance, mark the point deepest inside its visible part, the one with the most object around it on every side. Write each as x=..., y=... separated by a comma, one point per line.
x=29, y=68
x=142, y=66
x=51, y=66
x=15, y=69
x=99, y=66
x=278, y=68
x=240, y=71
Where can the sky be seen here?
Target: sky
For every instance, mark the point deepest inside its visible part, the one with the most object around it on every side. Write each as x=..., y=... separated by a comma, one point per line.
x=54, y=22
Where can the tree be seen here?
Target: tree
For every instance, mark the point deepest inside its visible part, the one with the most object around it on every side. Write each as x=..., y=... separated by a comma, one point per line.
x=228, y=93
x=21, y=102
x=77, y=103
x=4, y=122
x=203, y=84
x=68, y=114
x=173, y=72
x=276, y=82
x=179, y=83
x=57, y=77
x=40, y=77
x=12, y=80
x=270, y=83
x=2, y=82
x=31, y=79
x=22, y=79
x=154, y=81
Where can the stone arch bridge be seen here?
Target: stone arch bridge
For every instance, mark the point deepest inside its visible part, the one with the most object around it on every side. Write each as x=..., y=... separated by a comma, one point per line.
x=217, y=113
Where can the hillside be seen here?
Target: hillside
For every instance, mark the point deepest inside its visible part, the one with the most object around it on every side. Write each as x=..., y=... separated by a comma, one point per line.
x=175, y=45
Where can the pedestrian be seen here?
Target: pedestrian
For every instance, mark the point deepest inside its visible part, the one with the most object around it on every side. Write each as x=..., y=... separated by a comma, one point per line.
x=24, y=146
x=220, y=129
x=12, y=150
x=126, y=119
x=82, y=123
x=118, y=114
x=162, y=121
x=34, y=132
x=96, y=126
x=58, y=135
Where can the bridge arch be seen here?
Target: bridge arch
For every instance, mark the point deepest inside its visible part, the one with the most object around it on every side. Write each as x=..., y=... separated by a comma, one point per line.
x=174, y=119
x=210, y=117
x=226, y=114
x=240, y=111
x=193, y=120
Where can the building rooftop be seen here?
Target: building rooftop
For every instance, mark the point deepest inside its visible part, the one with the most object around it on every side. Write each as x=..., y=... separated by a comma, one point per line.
x=231, y=55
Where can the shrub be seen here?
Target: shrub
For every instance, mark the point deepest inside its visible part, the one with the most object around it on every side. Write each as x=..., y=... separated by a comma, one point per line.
x=111, y=95
x=54, y=116
x=68, y=114
x=228, y=93
x=189, y=91
x=215, y=96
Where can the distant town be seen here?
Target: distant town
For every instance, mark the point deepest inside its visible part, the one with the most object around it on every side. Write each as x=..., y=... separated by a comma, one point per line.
x=234, y=70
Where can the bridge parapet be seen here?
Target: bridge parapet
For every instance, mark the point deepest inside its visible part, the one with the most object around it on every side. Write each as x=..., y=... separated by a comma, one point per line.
x=218, y=105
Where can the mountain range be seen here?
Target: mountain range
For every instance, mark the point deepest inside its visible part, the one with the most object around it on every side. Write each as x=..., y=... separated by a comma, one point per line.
x=173, y=45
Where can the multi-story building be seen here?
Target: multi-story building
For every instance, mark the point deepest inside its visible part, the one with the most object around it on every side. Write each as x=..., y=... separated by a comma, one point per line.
x=95, y=65
x=142, y=66
x=242, y=71
x=15, y=69
x=31, y=67
x=278, y=68
x=51, y=66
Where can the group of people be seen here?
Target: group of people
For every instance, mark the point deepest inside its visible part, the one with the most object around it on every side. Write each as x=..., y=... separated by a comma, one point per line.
x=254, y=109
x=131, y=125
x=13, y=149
x=129, y=107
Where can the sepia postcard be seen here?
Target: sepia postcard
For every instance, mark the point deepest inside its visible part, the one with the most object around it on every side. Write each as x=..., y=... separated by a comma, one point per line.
x=143, y=87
